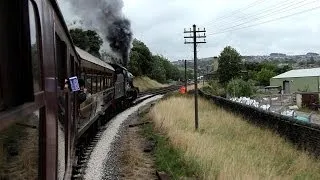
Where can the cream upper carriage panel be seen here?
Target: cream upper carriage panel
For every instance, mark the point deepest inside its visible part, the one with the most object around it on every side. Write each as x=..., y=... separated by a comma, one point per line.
x=92, y=62
x=93, y=104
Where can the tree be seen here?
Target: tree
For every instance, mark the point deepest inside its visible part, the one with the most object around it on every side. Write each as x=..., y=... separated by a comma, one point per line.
x=133, y=65
x=214, y=88
x=311, y=61
x=175, y=73
x=158, y=71
x=267, y=65
x=240, y=88
x=181, y=73
x=171, y=71
x=169, y=68
x=229, y=65
x=143, y=63
x=283, y=69
x=251, y=66
x=88, y=40
x=141, y=57
x=263, y=76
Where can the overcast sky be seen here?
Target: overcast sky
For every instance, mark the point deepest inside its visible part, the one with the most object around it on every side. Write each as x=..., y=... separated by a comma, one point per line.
x=160, y=24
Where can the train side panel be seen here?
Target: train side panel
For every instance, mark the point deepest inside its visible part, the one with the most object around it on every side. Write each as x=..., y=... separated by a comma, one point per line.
x=49, y=66
x=67, y=61
x=97, y=76
x=26, y=114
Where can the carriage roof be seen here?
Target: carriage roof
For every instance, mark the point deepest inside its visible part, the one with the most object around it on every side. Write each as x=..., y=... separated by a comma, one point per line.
x=90, y=61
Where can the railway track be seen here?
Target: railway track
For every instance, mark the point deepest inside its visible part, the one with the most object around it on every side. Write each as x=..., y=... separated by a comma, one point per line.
x=86, y=149
x=148, y=94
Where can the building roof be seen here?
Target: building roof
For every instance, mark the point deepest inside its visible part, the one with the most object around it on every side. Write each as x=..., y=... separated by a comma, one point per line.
x=299, y=73
x=92, y=59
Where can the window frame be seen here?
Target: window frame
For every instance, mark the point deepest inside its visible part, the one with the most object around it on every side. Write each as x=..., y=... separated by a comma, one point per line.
x=29, y=105
x=39, y=43
x=9, y=116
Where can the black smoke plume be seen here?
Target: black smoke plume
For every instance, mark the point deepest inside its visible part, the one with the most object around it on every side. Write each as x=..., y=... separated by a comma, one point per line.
x=120, y=37
x=107, y=18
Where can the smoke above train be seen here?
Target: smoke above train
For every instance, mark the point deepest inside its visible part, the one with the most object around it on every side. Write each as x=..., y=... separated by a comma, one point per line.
x=107, y=17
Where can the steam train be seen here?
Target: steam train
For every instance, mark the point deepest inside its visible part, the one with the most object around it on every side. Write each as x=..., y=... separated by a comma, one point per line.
x=41, y=122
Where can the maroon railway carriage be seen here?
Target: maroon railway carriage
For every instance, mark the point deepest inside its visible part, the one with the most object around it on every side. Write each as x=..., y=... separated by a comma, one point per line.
x=37, y=54
x=39, y=122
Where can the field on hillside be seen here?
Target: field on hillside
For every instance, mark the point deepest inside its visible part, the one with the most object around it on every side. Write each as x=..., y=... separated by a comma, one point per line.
x=145, y=83
x=226, y=146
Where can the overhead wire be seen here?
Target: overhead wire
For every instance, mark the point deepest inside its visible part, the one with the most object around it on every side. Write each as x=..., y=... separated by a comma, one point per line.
x=272, y=13
x=264, y=22
x=270, y=9
x=227, y=16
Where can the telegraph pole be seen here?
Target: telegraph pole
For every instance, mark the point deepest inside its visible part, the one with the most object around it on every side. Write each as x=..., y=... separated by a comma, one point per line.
x=194, y=36
x=185, y=75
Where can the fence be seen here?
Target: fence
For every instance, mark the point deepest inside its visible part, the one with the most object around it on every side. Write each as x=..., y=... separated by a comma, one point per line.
x=305, y=135
x=277, y=102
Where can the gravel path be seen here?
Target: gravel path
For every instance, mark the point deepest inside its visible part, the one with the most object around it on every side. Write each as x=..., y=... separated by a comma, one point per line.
x=103, y=162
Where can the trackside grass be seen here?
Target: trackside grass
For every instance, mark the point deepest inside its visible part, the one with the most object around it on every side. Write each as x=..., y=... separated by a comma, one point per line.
x=169, y=159
x=145, y=83
x=226, y=146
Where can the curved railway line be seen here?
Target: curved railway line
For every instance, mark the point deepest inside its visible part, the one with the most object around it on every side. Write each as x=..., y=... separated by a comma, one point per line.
x=85, y=148
x=68, y=94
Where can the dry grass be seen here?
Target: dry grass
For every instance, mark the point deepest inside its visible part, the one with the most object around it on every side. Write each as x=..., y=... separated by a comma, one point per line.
x=135, y=164
x=227, y=147
x=2, y=153
x=23, y=165
x=145, y=83
x=200, y=85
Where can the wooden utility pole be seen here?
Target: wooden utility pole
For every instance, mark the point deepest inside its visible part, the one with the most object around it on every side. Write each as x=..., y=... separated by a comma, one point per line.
x=194, y=36
x=185, y=75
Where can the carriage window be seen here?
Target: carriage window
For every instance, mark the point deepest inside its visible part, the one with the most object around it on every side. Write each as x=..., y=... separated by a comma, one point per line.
x=15, y=68
x=73, y=99
x=94, y=83
x=109, y=82
x=2, y=106
x=104, y=82
x=35, y=53
x=61, y=59
x=19, y=148
x=88, y=79
x=99, y=83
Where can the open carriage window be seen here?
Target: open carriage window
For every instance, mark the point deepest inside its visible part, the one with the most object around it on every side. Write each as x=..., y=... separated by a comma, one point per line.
x=19, y=134
x=35, y=53
x=2, y=105
x=16, y=67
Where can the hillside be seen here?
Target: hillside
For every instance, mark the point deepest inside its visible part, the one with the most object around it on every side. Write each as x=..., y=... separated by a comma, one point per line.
x=310, y=60
x=204, y=65
x=145, y=83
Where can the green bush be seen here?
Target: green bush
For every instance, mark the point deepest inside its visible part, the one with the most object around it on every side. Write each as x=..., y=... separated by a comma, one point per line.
x=239, y=87
x=214, y=88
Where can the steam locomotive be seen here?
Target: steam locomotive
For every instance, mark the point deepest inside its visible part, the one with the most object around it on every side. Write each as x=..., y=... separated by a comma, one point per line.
x=40, y=121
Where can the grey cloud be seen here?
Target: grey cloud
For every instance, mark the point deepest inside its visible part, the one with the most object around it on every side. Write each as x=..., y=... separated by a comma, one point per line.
x=160, y=24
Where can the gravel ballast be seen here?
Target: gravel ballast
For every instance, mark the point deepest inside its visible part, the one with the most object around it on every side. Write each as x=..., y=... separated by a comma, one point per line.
x=102, y=163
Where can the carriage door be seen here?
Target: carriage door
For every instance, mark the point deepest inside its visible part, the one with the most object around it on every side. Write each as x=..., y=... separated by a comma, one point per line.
x=74, y=102
x=286, y=87
x=61, y=59
x=22, y=106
